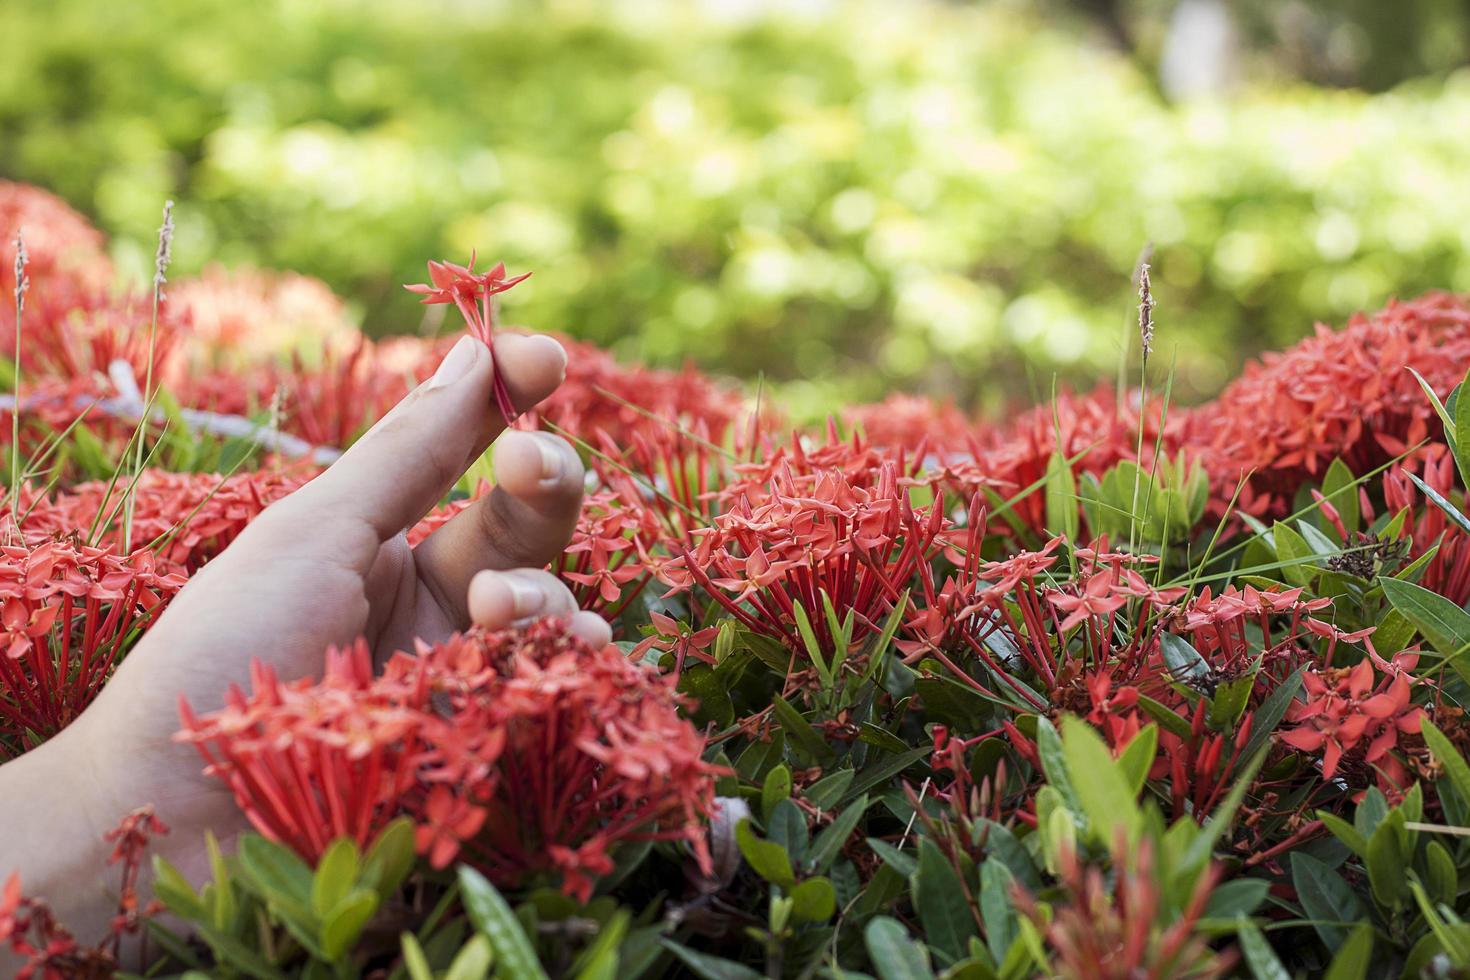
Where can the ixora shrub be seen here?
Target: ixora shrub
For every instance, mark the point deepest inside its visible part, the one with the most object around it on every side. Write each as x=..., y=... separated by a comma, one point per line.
x=1115, y=689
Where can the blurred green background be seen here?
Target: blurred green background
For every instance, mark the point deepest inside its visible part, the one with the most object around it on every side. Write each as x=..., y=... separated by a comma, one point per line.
x=846, y=197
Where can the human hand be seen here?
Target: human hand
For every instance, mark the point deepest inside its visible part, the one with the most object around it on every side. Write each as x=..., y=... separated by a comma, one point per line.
x=324, y=566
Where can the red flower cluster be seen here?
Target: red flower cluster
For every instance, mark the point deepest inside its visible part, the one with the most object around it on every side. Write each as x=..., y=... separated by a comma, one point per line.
x=69, y=612
x=549, y=754
x=808, y=535
x=595, y=754
x=186, y=517
x=1340, y=393
x=1349, y=708
x=311, y=762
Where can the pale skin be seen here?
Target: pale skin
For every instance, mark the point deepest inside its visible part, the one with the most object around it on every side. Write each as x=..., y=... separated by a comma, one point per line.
x=321, y=567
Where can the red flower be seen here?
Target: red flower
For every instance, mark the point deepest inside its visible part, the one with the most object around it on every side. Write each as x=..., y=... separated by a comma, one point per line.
x=449, y=820
x=462, y=286
x=595, y=753
x=309, y=763
x=1350, y=707
x=68, y=614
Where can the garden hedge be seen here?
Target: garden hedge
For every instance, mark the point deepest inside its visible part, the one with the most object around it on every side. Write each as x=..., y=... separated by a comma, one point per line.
x=867, y=197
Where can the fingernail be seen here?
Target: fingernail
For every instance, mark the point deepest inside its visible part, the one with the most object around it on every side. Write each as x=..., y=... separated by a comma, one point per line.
x=525, y=598
x=553, y=460
x=455, y=364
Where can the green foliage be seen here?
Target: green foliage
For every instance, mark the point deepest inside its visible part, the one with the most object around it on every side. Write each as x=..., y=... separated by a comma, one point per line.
x=911, y=183
x=264, y=912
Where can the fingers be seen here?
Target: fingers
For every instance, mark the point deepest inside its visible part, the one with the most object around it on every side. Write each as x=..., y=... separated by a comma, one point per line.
x=525, y=521
x=409, y=460
x=498, y=600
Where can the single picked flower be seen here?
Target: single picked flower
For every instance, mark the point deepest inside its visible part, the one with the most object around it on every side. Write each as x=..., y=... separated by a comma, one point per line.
x=465, y=288
x=451, y=283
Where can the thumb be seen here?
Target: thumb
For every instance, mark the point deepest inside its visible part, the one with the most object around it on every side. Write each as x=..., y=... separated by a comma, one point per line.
x=405, y=463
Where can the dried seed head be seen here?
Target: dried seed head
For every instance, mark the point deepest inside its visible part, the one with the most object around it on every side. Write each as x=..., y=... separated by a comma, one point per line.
x=1145, y=302
x=21, y=282
x=165, y=247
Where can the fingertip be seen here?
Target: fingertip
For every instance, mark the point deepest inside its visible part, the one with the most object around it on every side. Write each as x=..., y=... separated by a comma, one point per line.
x=591, y=628
x=490, y=601
x=533, y=366
x=529, y=464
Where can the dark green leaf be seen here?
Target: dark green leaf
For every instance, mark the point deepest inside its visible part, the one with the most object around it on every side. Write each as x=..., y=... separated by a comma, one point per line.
x=1259, y=955
x=829, y=842
x=708, y=967
x=939, y=899
x=799, y=731
x=1351, y=961
x=768, y=858
x=894, y=953
x=814, y=900
x=1325, y=897
x=515, y=957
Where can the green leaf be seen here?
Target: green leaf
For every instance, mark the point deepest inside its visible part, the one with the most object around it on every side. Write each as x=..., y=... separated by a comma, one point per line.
x=799, y=731
x=829, y=842
x=1259, y=955
x=814, y=900
x=414, y=960
x=708, y=967
x=894, y=953
x=1138, y=757
x=1061, y=497
x=1351, y=961
x=939, y=899
x=1230, y=700
x=1393, y=633
x=901, y=861
x=495, y=919
x=1183, y=660
x=1439, y=409
x=827, y=791
x=787, y=828
x=1328, y=900
x=1102, y=789
x=1054, y=764
x=1387, y=870
x=279, y=876
x=174, y=891
x=1291, y=547
x=1435, y=497
x=1441, y=878
x=600, y=960
x=813, y=649
x=882, y=772
x=1344, y=832
x=336, y=874
x=767, y=858
x=1455, y=768
x=1239, y=897
x=473, y=960
x=1340, y=490
x=997, y=907
x=389, y=858
x=1445, y=625
x=776, y=788
x=342, y=926
x=1461, y=444
x=1165, y=716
